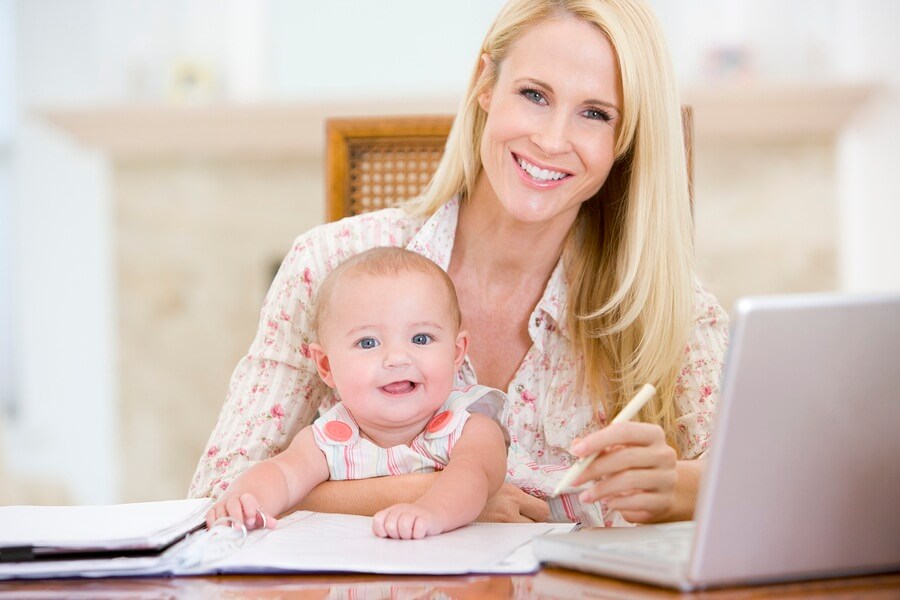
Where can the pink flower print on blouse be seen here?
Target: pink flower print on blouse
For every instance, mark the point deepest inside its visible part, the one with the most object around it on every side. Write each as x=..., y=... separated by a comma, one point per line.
x=277, y=377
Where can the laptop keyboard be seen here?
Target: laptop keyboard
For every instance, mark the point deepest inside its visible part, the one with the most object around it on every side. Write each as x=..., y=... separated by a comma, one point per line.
x=671, y=546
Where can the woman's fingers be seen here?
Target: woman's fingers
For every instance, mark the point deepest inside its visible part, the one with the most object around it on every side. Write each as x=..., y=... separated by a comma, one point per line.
x=531, y=508
x=619, y=434
x=630, y=482
x=660, y=456
x=509, y=504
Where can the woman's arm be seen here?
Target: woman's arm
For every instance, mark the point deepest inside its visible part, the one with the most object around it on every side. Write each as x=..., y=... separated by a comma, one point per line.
x=475, y=472
x=366, y=496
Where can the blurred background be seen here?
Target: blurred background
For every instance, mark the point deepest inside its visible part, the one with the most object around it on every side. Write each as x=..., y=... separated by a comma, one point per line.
x=157, y=158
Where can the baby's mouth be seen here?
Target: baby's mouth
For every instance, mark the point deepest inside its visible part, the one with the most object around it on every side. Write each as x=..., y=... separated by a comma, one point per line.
x=399, y=387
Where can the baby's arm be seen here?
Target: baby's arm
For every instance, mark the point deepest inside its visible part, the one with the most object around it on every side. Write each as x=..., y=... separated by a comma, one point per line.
x=274, y=485
x=476, y=470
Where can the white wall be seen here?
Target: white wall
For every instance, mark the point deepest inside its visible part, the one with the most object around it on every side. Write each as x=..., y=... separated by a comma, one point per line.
x=65, y=357
x=870, y=151
x=7, y=111
x=343, y=48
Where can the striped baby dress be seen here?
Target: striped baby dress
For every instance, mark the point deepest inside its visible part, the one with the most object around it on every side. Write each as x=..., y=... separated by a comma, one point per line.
x=351, y=456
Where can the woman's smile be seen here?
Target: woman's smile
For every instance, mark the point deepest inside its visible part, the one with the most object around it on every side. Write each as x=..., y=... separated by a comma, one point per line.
x=538, y=176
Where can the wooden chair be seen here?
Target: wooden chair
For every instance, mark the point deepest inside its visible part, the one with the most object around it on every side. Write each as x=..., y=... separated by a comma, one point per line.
x=377, y=162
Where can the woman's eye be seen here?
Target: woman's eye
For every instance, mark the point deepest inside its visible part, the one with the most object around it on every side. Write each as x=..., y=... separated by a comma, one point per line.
x=367, y=343
x=597, y=114
x=534, y=96
x=421, y=339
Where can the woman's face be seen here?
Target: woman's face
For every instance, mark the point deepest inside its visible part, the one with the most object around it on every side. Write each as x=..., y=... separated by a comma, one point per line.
x=552, y=116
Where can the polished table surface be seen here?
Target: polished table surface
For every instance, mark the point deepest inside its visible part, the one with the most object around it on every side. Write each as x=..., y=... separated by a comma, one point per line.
x=548, y=583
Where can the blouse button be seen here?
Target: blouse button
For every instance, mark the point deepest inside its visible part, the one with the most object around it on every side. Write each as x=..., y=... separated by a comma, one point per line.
x=537, y=321
x=520, y=388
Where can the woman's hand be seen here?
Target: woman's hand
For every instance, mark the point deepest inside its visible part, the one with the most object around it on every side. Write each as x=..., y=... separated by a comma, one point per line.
x=635, y=473
x=511, y=505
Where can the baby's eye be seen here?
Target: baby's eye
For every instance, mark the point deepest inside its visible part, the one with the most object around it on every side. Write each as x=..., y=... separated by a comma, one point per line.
x=421, y=339
x=367, y=343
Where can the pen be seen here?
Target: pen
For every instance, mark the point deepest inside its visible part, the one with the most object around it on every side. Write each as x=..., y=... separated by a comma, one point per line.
x=631, y=409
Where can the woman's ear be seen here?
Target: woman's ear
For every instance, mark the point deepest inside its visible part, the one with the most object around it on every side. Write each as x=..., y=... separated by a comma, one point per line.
x=462, y=345
x=323, y=365
x=485, y=72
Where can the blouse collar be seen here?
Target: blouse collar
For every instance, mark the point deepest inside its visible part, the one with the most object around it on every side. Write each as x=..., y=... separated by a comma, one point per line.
x=434, y=240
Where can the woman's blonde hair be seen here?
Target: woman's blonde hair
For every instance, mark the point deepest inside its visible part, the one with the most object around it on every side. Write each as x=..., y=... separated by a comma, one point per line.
x=628, y=258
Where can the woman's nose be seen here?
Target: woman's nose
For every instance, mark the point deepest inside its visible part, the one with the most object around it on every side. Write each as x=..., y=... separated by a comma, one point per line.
x=553, y=134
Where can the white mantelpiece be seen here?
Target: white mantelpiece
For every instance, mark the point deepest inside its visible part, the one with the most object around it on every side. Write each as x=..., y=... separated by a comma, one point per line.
x=740, y=112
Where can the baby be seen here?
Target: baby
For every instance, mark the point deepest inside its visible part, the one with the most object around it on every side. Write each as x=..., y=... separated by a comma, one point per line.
x=387, y=325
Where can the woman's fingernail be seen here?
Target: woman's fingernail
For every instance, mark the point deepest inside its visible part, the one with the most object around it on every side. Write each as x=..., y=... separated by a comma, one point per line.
x=585, y=497
x=577, y=447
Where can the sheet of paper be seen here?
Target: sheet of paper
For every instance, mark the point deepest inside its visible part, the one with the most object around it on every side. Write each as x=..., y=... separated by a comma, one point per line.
x=317, y=542
x=119, y=526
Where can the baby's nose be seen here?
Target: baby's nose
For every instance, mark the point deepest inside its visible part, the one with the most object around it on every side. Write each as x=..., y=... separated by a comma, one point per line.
x=396, y=358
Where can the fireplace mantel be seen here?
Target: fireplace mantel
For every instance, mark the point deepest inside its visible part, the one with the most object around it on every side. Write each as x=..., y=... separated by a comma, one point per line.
x=751, y=112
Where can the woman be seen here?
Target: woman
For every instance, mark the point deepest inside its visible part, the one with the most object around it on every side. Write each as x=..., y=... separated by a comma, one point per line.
x=561, y=213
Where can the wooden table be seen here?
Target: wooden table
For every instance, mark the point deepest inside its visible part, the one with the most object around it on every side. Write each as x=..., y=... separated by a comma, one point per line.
x=548, y=583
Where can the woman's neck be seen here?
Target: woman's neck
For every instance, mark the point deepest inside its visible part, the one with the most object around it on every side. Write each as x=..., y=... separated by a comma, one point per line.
x=495, y=248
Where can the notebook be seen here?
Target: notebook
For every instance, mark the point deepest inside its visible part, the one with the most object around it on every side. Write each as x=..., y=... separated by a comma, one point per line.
x=803, y=477
x=304, y=542
x=44, y=532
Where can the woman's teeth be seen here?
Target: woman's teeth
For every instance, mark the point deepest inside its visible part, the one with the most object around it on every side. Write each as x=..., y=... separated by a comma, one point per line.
x=539, y=173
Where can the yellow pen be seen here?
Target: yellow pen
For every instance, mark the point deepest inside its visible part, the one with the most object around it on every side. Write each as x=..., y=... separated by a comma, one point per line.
x=626, y=414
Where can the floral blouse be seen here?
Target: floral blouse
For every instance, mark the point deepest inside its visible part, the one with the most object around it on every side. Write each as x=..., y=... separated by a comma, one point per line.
x=275, y=390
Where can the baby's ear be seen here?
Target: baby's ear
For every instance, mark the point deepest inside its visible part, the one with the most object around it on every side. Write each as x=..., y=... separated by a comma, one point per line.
x=462, y=346
x=323, y=365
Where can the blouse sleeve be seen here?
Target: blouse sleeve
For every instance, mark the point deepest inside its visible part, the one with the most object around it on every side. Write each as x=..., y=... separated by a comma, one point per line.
x=697, y=386
x=275, y=389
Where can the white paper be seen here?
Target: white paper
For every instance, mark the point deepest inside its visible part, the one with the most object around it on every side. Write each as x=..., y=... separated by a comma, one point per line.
x=308, y=542
x=119, y=526
x=317, y=542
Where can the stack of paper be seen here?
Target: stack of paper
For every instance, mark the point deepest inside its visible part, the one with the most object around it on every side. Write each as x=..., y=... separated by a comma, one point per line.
x=125, y=540
x=34, y=532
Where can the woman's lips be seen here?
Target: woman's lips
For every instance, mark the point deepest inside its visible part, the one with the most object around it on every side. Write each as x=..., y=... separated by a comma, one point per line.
x=541, y=184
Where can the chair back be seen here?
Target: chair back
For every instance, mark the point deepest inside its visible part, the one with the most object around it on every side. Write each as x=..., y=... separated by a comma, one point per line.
x=378, y=162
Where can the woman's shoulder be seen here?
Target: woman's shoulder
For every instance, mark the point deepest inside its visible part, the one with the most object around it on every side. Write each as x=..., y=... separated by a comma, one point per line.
x=326, y=245
x=707, y=309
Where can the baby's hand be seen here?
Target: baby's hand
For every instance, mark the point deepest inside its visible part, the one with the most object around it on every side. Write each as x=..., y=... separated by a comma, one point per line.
x=407, y=522
x=243, y=509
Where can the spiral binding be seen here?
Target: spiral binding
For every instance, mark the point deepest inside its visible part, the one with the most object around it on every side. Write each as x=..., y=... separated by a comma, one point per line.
x=226, y=535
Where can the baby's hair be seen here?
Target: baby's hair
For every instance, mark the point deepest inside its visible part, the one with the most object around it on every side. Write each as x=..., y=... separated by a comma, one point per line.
x=381, y=261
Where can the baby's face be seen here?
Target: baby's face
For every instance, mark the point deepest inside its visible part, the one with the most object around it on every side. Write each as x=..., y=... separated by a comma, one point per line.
x=391, y=347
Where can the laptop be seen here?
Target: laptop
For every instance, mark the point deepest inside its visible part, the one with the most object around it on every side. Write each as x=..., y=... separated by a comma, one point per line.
x=802, y=479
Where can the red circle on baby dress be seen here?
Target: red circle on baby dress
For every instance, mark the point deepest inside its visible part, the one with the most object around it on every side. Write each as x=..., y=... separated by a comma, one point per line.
x=338, y=431
x=438, y=421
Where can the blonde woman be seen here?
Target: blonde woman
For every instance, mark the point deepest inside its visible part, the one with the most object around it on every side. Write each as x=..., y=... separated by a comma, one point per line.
x=561, y=213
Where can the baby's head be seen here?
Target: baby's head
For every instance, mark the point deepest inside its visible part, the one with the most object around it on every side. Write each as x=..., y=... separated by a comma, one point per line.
x=387, y=326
